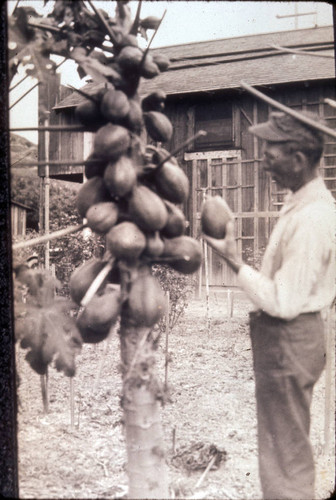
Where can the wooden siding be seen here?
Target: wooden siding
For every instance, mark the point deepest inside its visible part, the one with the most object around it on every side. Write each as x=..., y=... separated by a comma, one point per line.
x=18, y=220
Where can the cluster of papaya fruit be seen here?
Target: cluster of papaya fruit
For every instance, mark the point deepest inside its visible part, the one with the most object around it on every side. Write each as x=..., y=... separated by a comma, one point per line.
x=131, y=196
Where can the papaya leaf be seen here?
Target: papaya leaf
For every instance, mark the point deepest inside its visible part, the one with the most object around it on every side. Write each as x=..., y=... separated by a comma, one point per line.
x=44, y=324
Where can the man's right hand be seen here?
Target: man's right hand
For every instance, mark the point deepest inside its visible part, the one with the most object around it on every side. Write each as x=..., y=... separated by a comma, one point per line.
x=226, y=247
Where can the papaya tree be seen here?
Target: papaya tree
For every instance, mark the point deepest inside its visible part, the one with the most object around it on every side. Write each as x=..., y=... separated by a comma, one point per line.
x=131, y=198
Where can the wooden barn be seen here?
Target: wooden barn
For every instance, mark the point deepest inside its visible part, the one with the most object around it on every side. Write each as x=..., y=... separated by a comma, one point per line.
x=18, y=218
x=204, y=93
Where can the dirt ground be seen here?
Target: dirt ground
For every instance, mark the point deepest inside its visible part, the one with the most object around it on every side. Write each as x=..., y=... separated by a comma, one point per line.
x=82, y=455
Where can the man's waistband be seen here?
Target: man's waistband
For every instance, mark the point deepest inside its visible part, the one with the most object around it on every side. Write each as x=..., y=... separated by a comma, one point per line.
x=259, y=314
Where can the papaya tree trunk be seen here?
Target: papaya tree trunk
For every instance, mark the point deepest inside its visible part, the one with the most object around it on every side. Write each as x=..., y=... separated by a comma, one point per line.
x=147, y=471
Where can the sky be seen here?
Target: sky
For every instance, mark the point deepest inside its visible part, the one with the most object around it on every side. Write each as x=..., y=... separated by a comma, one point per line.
x=184, y=22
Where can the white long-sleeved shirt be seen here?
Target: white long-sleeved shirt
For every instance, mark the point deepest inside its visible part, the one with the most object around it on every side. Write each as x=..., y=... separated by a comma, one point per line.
x=298, y=268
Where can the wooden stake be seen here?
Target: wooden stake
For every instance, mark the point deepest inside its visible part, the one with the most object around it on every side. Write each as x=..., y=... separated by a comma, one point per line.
x=201, y=479
x=167, y=337
x=329, y=380
x=206, y=267
x=174, y=440
x=45, y=392
x=207, y=293
x=72, y=403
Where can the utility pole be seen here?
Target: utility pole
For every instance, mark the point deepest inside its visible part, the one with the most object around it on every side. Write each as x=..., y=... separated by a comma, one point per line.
x=298, y=14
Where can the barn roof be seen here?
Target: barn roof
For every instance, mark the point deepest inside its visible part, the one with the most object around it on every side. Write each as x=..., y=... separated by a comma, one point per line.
x=222, y=64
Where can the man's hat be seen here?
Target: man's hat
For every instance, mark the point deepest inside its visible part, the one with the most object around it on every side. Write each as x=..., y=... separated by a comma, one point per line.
x=282, y=127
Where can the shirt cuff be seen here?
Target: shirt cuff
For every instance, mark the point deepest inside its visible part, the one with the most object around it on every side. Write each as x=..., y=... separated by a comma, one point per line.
x=247, y=279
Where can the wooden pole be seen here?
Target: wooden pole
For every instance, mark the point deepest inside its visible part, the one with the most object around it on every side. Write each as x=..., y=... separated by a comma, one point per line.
x=289, y=111
x=46, y=197
x=329, y=381
x=206, y=268
x=167, y=339
x=207, y=291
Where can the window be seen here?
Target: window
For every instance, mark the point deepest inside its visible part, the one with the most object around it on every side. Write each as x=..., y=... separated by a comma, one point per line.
x=215, y=117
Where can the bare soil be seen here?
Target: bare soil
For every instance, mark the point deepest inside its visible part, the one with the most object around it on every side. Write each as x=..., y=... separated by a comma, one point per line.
x=82, y=455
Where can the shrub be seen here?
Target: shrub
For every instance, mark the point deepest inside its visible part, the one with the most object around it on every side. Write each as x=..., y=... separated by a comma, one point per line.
x=180, y=287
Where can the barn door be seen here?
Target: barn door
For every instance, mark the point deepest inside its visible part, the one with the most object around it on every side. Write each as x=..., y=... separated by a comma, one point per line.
x=217, y=173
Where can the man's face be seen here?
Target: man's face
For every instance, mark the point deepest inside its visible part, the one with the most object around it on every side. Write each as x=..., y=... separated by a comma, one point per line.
x=281, y=165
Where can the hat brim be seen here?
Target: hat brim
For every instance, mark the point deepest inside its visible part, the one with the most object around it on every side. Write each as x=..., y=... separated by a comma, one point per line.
x=268, y=132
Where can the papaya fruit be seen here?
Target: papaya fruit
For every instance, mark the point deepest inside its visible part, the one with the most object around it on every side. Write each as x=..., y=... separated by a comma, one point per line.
x=102, y=216
x=154, y=101
x=146, y=302
x=120, y=176
x=150, y=23
x=98, y=316
x=154, y=245
x=183, y=253
x=134, y=119
x=89, y=115
x=158, y=126
x=148, y=68
x=171, y=182
x=111, y=141
x=215, y=214
x=91, y=192
x=130, y=58
x=94, y=166
x=147, y=209
x=161, y=61
x=83, y=276
x=176, y=223
x=128, y=40
x=125, y=241
x=114, y=105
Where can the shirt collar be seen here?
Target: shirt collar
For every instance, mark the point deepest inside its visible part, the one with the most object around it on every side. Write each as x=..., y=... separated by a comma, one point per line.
x=312, y=191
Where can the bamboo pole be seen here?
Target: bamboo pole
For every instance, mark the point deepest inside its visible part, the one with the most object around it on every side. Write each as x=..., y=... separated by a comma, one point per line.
x=331, y=102
x=50, y=128
x=289, y=111
x=301, y=52
x=96, y=283
x=24, y=95
x=54, y=163
x=48, y=237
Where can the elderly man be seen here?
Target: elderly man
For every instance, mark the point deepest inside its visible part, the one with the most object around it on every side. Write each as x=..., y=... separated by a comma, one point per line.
x=296, y=281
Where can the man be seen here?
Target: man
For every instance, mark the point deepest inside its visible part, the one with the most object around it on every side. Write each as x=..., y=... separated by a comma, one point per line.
x=296, y=281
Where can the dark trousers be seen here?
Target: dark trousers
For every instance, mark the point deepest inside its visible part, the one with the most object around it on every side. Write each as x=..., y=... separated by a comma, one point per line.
x=288, y=358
